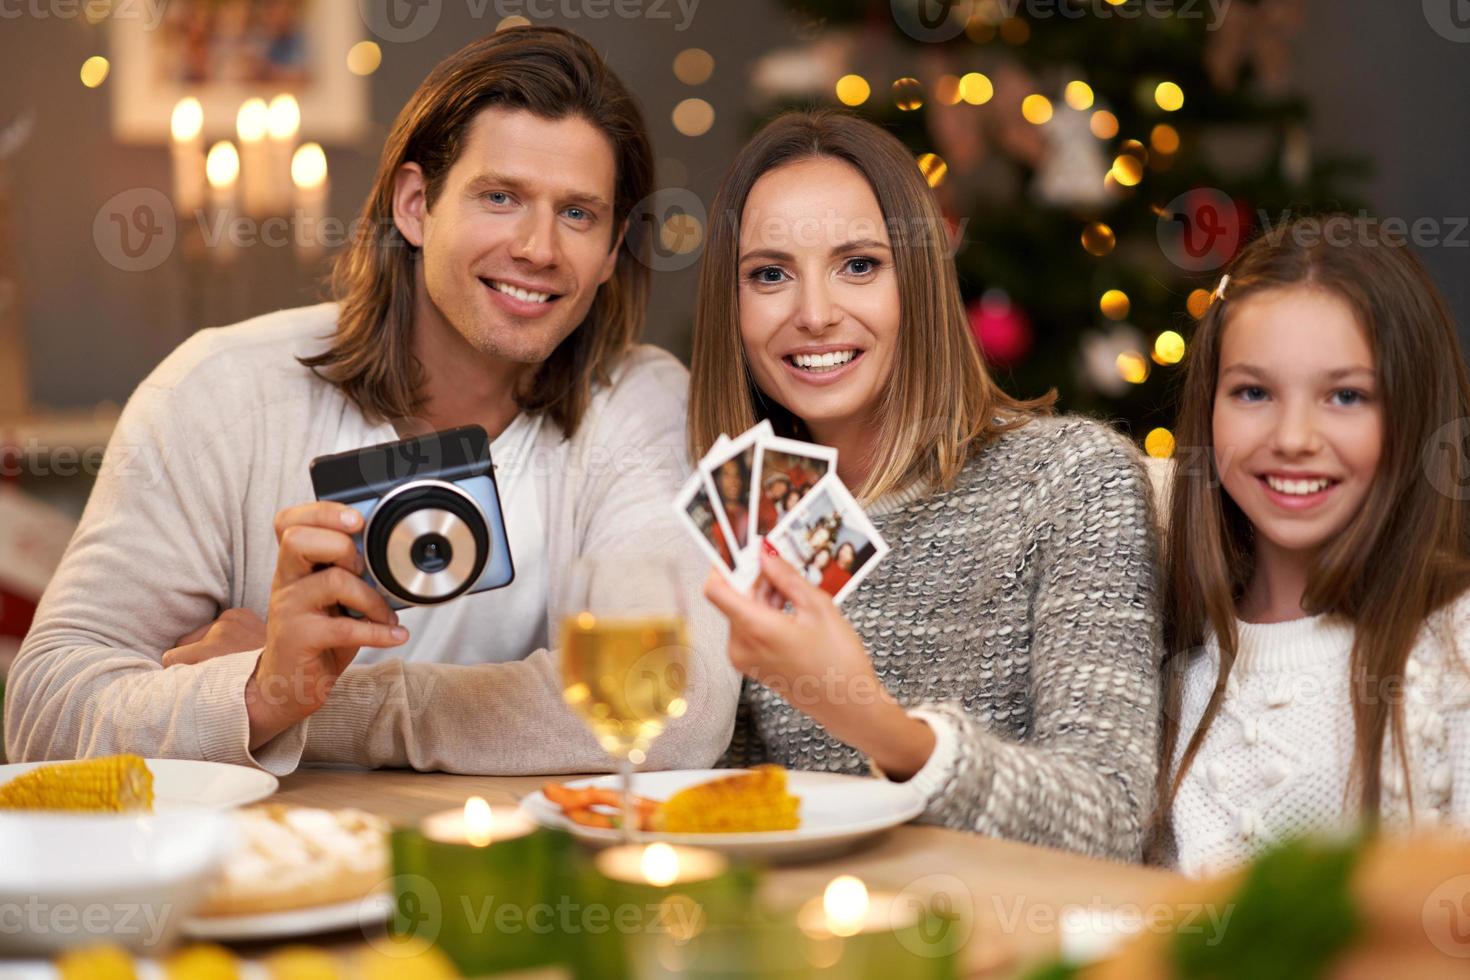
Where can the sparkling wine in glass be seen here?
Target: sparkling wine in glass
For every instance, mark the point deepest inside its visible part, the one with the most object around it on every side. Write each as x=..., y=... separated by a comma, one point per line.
x=625, y=658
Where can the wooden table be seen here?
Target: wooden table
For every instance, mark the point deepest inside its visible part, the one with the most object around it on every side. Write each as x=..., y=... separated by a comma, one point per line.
x=1016, y=892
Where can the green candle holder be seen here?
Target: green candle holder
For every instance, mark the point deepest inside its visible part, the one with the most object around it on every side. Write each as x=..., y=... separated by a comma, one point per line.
x=491, y=908
x=697, y=891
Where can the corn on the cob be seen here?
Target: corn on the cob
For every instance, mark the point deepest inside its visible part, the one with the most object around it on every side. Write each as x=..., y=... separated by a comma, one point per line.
x=748, y=802
x=101, y=962
x=115, y=783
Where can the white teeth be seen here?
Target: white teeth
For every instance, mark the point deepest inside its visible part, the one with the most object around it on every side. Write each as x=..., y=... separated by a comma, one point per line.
x=823, y=362
x=1297, y=488
x=520, y=294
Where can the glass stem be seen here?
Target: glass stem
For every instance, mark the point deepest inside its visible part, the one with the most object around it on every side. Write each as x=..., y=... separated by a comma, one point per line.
x=625, y=769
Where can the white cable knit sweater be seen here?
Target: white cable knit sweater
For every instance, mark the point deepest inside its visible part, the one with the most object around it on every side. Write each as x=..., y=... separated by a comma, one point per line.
x=1276, y=761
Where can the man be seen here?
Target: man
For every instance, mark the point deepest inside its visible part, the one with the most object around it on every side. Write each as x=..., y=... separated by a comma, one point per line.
x=490, y=283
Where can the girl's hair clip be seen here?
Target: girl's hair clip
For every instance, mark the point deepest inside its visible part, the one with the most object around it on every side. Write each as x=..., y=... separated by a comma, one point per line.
x=1220, y=289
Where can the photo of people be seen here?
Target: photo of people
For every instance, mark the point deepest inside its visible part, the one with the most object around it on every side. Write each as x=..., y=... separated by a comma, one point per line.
x=829, y=539
x=728, y=474
x=785, y=470
x=695, y=507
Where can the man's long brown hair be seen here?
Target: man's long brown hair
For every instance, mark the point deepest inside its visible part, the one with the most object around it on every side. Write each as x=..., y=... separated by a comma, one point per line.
x=543, y=70
x=1404, y=555
x=940, y=405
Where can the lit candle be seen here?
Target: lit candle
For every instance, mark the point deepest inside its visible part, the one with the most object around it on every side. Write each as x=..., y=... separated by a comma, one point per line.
x=847, y=908
x=283, y=123
x=222, y=169
x=660, y=865
x=187, y=128
x=478, y=824
x=309, y=177
x=251, y=125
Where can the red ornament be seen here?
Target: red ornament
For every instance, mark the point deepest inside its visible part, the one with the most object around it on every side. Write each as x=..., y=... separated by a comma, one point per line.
x=1001, y=329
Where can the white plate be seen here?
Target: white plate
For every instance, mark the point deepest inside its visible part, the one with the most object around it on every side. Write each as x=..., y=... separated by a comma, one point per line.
x=836, y=812
x=184, y=784
x=367, y=913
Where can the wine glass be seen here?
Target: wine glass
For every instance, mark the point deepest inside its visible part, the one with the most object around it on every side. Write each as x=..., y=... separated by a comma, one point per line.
x=625, y=657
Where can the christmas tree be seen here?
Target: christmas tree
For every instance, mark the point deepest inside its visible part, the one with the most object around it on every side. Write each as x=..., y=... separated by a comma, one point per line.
x=1098, y=162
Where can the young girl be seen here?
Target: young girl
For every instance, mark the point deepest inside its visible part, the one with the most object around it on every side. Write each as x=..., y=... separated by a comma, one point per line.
x=1003, y=659
x=1318, y=553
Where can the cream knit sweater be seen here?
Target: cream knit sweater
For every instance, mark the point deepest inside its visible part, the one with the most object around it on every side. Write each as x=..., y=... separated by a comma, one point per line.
x=1276, y=761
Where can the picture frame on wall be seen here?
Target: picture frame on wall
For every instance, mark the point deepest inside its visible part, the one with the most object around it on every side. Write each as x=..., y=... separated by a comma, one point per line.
x=226, y=51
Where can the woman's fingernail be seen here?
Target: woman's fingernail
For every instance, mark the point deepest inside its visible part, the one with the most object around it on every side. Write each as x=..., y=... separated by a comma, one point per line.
x=350, y=518
x=767, y=547
x=400, y=634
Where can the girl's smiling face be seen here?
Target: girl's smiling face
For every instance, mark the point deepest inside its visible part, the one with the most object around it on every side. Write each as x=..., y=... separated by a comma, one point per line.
x=1298, y=423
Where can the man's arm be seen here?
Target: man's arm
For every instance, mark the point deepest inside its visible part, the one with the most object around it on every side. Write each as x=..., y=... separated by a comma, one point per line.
x=149, y=562
x=509, y=718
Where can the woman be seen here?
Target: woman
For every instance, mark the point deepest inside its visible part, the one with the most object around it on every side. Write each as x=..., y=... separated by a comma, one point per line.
x=1004, y=657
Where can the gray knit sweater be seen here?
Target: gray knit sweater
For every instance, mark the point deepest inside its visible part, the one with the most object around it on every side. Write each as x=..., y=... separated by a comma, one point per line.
x=1019, y=612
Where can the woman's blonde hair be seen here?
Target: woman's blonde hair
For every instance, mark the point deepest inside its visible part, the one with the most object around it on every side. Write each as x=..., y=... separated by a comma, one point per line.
x=940, y=405
x=544, y=70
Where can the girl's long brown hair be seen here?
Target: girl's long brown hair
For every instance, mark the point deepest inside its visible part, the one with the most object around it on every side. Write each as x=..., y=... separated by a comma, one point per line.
x=554, y=74
x=940, y=405
x=1405, y=554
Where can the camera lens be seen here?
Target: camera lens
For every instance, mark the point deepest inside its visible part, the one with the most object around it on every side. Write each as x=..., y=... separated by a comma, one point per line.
x=427, y=542
x=431, y=553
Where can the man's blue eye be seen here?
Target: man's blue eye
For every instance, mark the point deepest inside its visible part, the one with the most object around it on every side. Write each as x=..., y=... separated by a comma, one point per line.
x=497, y=197
x=577, y=214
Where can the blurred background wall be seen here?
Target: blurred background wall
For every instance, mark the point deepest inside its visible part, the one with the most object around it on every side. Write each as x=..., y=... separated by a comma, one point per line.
x=1381, y=82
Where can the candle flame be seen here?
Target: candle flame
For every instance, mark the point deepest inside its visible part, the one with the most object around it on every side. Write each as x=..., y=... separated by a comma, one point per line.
x=283, y=117
x=845, y=904
x=222, y=167
x=309, y=166
x=477, y=821
x=660, y=865
x=252, y=121
x=188, y=119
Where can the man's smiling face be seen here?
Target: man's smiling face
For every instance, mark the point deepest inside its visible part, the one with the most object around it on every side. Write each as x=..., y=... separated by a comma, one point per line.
x=522, y=232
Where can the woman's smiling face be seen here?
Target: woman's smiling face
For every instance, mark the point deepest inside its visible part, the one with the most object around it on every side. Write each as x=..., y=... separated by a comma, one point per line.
x=819, y=303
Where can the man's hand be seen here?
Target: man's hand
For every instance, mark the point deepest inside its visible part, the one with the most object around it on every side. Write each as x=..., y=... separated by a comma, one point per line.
x=236, y=631
x=307, y=643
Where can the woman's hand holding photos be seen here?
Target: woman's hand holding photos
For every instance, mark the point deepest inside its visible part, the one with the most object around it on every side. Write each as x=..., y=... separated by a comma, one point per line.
x=307, y=644
x=814, y=659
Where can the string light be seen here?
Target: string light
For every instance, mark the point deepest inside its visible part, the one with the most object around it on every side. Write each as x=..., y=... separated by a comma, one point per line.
x=1037, y=109
x=1126, y=170
x=908, y=94
x=1114, y=304
x=1164, y=139
x=1079, y=95
x=364, y=58
x=947, y=90
x=1169, y=96
x=94, y=71
x=1169, y=348
x=934, y=169
x=1132, y=367
x=1159, y=444
x=694, y=66
x=1104, y=124
x=853, y=90
x=1098, y=239
x=976, y=89
x=693, y=117
x=1198, y=303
